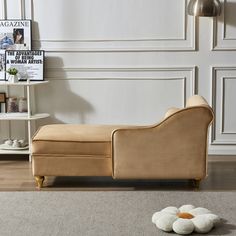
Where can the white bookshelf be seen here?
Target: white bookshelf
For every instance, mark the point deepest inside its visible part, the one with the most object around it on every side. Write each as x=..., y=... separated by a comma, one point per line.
x=22, y=116
x=23, y=83
x=18, y=152
x=28, y=117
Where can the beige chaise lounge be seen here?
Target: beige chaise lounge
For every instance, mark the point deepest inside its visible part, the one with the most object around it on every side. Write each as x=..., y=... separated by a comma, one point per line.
x=175, y=148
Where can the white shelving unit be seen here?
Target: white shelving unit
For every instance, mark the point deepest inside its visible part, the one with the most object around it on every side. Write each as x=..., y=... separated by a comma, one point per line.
x=22, y=116
x=28, y=116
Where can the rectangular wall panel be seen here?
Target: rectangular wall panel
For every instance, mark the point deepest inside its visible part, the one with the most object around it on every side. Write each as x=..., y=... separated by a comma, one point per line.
x=107, y=25
x=229, y=113
x=13, y=9
x=223, y=93
x=3, y=9
x=224, y=33
x=117, y=95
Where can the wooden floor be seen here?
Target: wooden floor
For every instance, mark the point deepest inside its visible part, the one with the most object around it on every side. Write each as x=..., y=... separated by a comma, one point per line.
x=16, y=175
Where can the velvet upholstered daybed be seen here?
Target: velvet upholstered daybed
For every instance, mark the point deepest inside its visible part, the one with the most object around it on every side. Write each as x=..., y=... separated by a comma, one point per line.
x=175, y=148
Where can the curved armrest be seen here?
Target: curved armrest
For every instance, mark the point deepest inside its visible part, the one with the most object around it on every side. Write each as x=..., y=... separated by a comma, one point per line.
x=175, y=148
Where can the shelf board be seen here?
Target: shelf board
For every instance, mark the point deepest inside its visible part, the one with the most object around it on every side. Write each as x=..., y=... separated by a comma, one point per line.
x=22, y=116
x=25, y=152
x=24, y=83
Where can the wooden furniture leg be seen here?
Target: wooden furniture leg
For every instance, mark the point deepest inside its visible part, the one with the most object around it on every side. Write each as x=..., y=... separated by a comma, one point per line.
x=39, y=181
x=196, y=183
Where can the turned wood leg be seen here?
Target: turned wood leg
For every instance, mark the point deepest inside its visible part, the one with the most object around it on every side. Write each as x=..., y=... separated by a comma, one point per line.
x=39, y=181
x=196, y=183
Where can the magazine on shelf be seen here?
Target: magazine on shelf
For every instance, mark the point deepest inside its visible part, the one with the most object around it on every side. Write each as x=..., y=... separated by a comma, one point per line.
x=14, y=35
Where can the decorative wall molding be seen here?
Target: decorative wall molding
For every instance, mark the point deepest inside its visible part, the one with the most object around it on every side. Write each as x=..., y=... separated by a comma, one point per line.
x=219, y=77
x=186, y=74
x=184, y=43
x=224, y=80
x=22, y=9
x=223, y=135
x=220, y=41
x=4, y=10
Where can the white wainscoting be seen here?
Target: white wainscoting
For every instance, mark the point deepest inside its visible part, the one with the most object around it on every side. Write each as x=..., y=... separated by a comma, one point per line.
x=223, y=93
x=224, y=33
x=108, y=25
x=127, y=61
x=114, y=95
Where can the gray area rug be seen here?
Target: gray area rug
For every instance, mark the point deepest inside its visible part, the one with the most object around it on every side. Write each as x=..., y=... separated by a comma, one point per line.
x=103, y=213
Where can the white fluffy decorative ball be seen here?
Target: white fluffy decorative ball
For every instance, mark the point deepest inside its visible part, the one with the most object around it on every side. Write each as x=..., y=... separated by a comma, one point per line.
x=185, y=220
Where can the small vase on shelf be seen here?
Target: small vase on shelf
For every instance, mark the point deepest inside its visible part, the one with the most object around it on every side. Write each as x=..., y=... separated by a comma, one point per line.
x=12, y=75
x=12, y=78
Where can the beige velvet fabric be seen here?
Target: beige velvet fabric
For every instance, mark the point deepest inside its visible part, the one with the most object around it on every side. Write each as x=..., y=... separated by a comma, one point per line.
x=73, y=150
x=68, y=165
x=176, y=148
x=66, y=139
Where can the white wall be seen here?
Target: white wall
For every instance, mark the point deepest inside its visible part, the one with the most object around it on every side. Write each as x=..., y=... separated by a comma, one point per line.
x=127, y=61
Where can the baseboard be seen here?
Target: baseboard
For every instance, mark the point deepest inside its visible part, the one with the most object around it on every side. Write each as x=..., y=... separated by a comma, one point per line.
x=222, y=158
x=222, y=150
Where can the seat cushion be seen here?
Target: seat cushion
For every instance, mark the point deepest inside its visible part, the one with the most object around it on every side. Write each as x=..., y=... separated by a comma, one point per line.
x=67, y=139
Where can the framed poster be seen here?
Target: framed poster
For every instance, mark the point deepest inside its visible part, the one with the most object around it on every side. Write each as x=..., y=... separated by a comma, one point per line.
x=29, y=64
x=14, y=35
